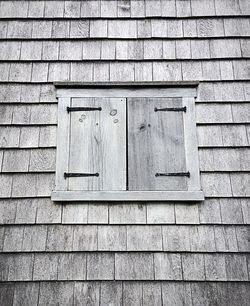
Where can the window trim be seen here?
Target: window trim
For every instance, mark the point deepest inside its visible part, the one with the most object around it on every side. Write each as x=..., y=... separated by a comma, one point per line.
x=185, y=90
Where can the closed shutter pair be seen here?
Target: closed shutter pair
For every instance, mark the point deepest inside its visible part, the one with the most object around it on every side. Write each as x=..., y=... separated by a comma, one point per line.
x=132, y=144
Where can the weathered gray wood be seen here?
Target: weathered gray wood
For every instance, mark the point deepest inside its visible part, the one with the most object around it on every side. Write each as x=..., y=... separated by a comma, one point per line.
x=132, y=293
x=160, y=213
x=231, y=211
x=149, y=129
x=152, y=294
x=62, y=292
x=84, y=238
x=112, y=238
x=209, y=212
x=45, y=267
x=202, y=239
x=152, y=238
x=48, y=212
x=98, y=213
x=225, y=239
x=50, y=50
x=6, y=181
x=91, y=9
x=72, y=9
x=26, y=294
x=240, y=183
x=100, y=266
x=167, y=71
x=127, y=196
x=122, y=28
x=6, y=294
x=109, y=9
x=15, y=161
x=79, y=29
x=193, y=267
x=24, y=185
x=47, y=136
x=183, y=8
x=187, y=214
x=94, y=137
x=176, y=238
x=134, y=266
x=243, y=234
x=29, y=137
x=34, y=238
x=59, y=237
x=176, y=293
x=167, y=266
x=13, y=239
x=7, y=211
x=72, y=266
x=63, y=136
x=20, y=267
x=86, y=293
x=111, y=294
x=245, y=210
x=216, y=184
x=42, y=160
x=205, y=294
x=74, y=214
x=127, y=214
x=236, y=267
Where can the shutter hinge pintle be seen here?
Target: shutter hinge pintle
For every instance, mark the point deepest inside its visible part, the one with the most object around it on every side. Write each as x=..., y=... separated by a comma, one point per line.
x=66, y=175
x=171, y=109
x=85, y=109
x=187, y=174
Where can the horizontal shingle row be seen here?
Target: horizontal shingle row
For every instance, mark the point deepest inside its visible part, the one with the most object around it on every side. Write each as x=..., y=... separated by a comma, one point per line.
x=43, y=211
x=43, y=160
x=133, y=29
x=124, y=293
x=27, y=137
x=124, y=49
x=46, y=114
x=26, y=185
x=124, y=266
x=125, y=71
x=122, y=9
x=167, y=238
x=207, y=91
x=214, y=184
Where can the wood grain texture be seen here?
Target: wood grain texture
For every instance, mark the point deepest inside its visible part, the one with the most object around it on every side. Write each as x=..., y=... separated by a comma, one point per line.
x=98, y=145
x=155, y=145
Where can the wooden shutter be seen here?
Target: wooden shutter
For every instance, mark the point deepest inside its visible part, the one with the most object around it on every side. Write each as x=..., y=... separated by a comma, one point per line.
x=97, y=144
x=156, y=144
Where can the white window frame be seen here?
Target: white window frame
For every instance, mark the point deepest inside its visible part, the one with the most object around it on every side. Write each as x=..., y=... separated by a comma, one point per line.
x=187, y=91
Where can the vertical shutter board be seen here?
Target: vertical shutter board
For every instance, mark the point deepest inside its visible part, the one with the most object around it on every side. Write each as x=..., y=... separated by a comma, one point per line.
x=155, y=144
x=62, y=143
x=191, y=145
x=98, y=144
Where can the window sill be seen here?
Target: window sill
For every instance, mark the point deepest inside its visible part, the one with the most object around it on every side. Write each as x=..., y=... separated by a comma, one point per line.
x=127, y=196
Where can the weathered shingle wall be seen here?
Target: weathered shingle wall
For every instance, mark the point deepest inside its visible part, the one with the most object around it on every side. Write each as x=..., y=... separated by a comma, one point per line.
x=158, y=254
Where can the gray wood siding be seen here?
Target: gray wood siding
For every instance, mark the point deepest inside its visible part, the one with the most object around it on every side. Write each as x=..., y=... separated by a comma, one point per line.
x=124, y=253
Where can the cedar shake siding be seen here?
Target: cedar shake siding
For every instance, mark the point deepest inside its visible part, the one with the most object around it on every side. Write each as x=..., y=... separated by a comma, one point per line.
x=139, y=253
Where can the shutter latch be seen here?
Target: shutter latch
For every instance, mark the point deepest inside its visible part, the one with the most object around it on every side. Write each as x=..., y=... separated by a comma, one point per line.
x=171, y=109
x=187, y=174
x=85, y=109
x=66, y=175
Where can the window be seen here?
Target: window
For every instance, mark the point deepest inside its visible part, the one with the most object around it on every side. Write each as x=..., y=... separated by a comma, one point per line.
x=127, y=142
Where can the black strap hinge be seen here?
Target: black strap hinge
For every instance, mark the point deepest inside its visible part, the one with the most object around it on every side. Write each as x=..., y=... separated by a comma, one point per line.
x=85, y=109
x=171, y=109
x=187, y=174
x=79, y=174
